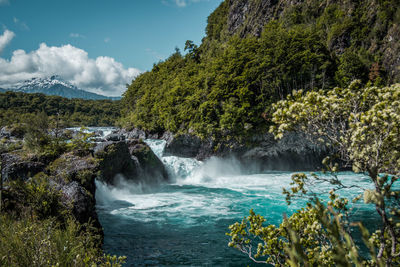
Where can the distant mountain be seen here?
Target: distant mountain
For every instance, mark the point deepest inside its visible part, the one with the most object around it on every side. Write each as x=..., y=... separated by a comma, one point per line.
x=56, y=86
x=2, y=90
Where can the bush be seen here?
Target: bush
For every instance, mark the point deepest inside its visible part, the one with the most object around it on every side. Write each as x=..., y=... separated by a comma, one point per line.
x=35, y=198
x=81, y=143
x=362, y=128
x=32, y=242
x=36, y=229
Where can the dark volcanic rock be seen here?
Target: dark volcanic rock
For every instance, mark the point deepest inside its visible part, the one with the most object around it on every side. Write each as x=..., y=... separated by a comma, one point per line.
x=115, y=158
x=115, y=137
x=293, y=152
x=184, y=145
x=150, y=167
x=15, y=167
x=133, y=134
x=16, y=131
x=132, y=158
x=261, y=12
x=70, y=167
x=81, y=200
x=75, y=177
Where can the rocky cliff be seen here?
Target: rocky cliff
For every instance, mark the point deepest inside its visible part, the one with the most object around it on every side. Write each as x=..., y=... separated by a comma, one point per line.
x=369, y=27
x=293, y=152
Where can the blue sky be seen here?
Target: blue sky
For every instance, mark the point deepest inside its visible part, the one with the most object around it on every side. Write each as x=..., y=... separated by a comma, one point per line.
x=83, y=39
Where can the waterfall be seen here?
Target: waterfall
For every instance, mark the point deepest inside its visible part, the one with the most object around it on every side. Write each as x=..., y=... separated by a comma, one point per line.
x=178, y=168
x=184, y=222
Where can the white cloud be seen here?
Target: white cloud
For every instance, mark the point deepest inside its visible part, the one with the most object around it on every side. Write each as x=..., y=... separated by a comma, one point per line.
x=106, y=40
x=5, y=39
x=101, y=75
x=76, y=35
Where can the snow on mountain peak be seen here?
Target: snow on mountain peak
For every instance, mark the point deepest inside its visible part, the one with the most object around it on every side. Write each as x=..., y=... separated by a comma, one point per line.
x=55, y=85
x=45, y=83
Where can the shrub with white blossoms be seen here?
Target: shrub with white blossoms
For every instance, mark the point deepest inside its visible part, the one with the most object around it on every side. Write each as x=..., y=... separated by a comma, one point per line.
x=362, y=128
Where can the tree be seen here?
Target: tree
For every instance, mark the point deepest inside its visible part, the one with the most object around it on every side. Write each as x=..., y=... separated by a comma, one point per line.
x=36, y=136
x=362, y=128
x=350, y=67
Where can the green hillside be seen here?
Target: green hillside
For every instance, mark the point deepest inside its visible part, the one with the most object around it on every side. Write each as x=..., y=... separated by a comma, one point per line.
x=255, y=53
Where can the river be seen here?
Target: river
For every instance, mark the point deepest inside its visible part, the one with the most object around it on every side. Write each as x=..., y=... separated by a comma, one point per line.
x=183, y=223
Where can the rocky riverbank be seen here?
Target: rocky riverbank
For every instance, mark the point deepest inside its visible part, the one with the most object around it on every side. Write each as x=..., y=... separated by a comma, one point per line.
x=73, y=174
x=293, y=152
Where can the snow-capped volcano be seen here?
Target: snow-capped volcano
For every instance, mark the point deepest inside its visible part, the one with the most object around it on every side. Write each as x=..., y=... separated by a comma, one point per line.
x=55, y=85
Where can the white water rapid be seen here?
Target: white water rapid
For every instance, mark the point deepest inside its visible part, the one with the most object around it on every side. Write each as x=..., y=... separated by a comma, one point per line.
x=184, y=222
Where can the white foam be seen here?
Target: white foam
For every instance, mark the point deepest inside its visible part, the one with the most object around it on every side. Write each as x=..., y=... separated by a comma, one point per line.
x=177, y=167
x=217, y=188
x=103, y=131
x=157, y=146
x=159, y=206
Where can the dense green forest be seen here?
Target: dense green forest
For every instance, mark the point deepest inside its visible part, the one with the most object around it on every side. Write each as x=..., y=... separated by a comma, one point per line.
x=225, y=86
x=20, y=107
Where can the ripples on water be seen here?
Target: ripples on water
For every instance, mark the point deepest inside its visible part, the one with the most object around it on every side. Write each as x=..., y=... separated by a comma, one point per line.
x=184, y=223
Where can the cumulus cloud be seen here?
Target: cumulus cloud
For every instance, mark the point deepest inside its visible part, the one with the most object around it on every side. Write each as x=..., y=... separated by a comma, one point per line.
x=101, y=75
x=5, y=39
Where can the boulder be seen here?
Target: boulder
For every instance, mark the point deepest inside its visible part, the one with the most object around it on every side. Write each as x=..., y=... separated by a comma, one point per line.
x=191, y=146
x=291, y=153
x=71, y=167
x=132, y=158
x=115, y=137
x=184, y=145
x=75, y=177
x=135, y=134
x=81, y=201
x=150, y=167
x=16, y=167
x=5, y=132
x=114, y=158
x=16, y=131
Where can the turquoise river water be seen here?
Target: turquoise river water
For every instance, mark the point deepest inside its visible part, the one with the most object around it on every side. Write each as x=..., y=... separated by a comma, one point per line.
x=183, y=223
